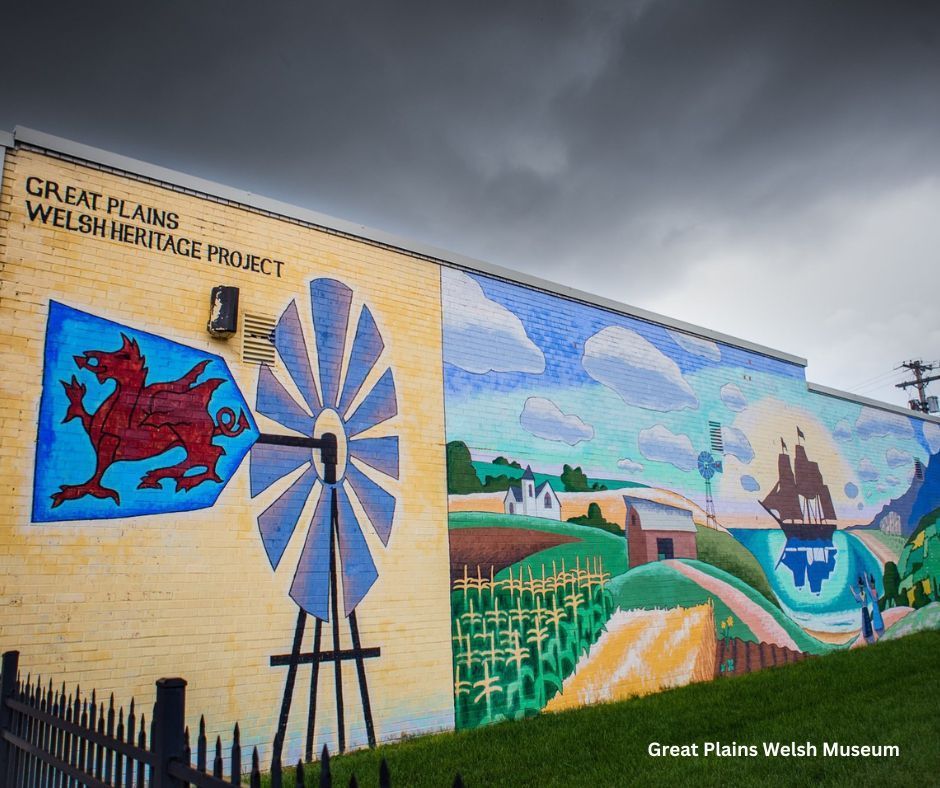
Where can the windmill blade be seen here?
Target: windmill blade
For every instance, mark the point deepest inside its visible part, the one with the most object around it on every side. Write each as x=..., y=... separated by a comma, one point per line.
x=379, y=405
x=378, y=504
x=367, y=347
x=278, y=521
x=274, y=402
x=330, y=300
x=359, y=572
x=292, y=347
x=311, y=585
x=270, y=462
x=378, y=453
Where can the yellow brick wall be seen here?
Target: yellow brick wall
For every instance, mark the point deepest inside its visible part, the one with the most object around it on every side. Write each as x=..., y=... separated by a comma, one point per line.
x=116, y=604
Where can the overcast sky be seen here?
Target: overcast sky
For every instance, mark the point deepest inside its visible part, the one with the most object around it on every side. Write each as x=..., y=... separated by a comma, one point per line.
x=769, y=170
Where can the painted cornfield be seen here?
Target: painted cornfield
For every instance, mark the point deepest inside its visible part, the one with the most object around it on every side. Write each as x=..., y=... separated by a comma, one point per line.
x=517, y=638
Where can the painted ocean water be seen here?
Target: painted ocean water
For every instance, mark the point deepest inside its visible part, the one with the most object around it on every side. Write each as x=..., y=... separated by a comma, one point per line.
x=813, y=579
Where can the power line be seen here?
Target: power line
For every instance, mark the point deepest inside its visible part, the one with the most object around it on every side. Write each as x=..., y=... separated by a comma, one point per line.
x=872, y=380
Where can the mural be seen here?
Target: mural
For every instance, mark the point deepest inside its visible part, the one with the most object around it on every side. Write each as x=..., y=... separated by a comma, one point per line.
x=131, y=423
x=714, y=515
x=152, y=426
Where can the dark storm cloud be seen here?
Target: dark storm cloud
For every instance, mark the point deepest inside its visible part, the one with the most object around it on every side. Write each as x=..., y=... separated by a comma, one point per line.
x=658, y=152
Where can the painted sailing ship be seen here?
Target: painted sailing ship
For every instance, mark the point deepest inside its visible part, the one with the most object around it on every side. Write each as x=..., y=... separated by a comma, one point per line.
x=800, y=501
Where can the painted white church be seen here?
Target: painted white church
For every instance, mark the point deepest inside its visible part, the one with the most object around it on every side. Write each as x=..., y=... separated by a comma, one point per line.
x=532, y=501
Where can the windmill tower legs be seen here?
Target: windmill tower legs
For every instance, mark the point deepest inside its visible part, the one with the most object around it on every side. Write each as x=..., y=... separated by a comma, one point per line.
x=337, y=655
x=711, y=518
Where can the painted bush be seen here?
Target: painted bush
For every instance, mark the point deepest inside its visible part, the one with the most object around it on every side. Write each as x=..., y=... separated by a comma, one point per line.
x=800, y=503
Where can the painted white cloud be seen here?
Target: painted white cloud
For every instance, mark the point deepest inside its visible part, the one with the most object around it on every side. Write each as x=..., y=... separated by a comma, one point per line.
x=892, y=480
x=932, y=436
x=659, y=444
x=843, y=430
x=481, y=335
x=879, y=423
x=737, y=444
x=749, y=483
x=626, y=464
x=867, y=471
x=544, y=419
x=896, y=457
x=733, y=398
x=851, y=490
x=697, y=346
x=631, y=366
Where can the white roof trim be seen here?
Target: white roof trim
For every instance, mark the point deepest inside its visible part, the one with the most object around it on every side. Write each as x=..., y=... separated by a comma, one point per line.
x=190, y=183
x=872, y=403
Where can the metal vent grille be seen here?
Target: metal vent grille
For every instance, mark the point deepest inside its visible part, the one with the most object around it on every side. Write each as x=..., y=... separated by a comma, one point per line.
x=918, y=470
x=714, y=432
x=258, y=340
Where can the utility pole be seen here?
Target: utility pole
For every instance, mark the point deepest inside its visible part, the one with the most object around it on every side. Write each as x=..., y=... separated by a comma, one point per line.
x=922, y=403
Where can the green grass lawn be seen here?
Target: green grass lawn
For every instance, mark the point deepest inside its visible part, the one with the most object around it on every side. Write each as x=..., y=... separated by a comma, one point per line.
x=887, y=694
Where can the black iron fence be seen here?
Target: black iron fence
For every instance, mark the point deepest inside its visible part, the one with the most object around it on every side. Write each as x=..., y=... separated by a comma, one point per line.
x=50, y=739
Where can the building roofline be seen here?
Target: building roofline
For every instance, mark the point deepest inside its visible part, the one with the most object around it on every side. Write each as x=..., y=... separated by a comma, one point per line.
x=192, y=184
x=874, y=403
x=189, y=183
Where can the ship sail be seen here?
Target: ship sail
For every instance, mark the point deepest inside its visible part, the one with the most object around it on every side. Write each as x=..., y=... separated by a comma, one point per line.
x=783, y=498
x=800, y=500
x=829, y=512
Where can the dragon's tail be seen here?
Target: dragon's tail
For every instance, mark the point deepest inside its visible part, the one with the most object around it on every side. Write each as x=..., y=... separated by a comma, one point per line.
x=228, y=425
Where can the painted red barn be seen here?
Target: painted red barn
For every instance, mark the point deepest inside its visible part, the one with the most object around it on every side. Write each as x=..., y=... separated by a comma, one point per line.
x=658, y=531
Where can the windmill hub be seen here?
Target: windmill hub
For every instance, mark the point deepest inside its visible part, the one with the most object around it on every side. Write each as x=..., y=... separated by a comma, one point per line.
x=329, y=423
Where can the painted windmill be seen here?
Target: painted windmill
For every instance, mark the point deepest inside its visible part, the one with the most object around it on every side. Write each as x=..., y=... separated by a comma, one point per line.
x=708, y=466
x=325, y=429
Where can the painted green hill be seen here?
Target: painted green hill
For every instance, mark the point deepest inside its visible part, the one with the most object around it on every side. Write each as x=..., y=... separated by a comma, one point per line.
x=724, y=551
x=654, y=586
x=926, y=618
x=805, y=642
x=658, y=586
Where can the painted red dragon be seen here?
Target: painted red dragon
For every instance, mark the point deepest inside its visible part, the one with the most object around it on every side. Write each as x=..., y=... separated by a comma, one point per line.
x=138, y=421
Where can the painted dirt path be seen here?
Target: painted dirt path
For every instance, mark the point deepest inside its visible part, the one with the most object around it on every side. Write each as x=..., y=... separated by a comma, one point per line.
x=879, y=549
x=759, y=620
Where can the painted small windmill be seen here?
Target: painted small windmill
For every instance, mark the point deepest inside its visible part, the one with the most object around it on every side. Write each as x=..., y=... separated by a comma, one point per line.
x=325, y=435
x=708, y=466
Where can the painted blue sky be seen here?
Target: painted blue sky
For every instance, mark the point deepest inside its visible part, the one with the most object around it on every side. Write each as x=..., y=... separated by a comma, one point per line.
x=548, y=381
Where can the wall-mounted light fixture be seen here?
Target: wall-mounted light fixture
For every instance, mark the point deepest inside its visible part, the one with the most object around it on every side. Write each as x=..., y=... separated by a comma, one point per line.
x=223, y=311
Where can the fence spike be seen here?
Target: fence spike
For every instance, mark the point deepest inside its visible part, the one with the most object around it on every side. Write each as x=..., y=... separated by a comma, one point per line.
x=326, y=778
x=458, y=781
x=276, y=771
x=201, y=746
x=385, y=779
x=299, y=779
x=353, y=782
x=255, y=770
x=119, y=757
x=109, y=754
x=99, y=750
x=236, y=757
x=142, y=743
x=217, y=764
